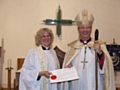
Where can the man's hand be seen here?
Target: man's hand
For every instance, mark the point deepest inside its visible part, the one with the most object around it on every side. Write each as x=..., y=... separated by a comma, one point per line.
x=68, y=66
x=97, y=47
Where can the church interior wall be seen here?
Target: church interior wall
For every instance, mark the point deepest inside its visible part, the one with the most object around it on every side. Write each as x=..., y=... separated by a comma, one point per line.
x=20, y=19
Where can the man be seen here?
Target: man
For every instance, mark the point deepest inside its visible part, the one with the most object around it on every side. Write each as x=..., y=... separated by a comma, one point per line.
x=38, y=63
x=81, y=55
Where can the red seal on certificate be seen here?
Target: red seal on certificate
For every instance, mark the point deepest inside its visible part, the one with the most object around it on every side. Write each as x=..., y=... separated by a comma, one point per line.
x=53, y=77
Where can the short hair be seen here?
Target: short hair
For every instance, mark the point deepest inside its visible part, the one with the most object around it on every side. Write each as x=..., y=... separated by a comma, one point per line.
x=40, y=33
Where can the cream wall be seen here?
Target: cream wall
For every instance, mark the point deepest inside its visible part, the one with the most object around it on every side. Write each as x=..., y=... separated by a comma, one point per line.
x=20, y=19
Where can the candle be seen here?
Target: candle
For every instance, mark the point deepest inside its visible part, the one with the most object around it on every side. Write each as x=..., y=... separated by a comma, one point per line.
x=9, y=63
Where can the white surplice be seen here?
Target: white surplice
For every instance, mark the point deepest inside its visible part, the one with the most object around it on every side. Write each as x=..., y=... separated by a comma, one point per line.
x=87, y=80
x=38, y=60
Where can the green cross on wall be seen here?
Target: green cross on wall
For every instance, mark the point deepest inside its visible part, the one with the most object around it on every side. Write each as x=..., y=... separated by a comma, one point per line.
x=58, y=22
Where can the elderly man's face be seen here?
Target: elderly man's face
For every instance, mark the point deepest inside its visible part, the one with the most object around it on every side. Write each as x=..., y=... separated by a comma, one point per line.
x=45, y=40
x=85, y=32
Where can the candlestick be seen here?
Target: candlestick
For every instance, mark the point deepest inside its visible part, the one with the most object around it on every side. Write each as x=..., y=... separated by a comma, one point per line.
x=9, y=68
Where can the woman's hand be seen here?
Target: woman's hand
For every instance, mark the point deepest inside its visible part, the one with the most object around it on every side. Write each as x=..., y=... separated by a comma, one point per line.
x=45, y=73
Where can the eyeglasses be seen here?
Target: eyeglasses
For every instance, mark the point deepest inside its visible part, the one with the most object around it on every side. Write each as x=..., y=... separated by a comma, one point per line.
x=45, y=36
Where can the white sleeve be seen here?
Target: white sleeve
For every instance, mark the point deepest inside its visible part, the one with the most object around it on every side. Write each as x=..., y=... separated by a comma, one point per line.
x=29, y=73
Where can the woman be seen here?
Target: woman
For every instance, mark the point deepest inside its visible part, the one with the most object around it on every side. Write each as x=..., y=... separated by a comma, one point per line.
x=38, y=63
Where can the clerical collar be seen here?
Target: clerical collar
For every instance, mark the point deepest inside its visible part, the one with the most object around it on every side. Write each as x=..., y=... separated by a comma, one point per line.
x=85, y=42
x=45, y=48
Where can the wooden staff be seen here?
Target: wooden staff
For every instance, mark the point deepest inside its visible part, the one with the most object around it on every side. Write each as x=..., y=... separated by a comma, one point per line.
x=96, y=61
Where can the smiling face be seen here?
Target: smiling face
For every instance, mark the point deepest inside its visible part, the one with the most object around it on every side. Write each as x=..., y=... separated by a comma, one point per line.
x=84, y=32
x=45, y=39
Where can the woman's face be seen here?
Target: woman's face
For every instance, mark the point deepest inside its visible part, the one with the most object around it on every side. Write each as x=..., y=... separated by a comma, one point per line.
x=85, y=32
x=45, y=40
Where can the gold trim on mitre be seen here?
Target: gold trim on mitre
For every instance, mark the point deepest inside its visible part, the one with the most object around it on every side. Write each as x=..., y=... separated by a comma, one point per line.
x=84, y=18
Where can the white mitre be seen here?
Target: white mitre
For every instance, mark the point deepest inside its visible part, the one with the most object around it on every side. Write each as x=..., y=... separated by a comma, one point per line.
x=84, y=18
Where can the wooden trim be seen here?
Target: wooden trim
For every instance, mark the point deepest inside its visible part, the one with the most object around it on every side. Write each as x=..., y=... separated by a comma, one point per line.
x=117, y=88
x=1, y=88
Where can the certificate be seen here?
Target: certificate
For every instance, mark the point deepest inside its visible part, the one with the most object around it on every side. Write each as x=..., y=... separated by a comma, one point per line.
x=62, y=75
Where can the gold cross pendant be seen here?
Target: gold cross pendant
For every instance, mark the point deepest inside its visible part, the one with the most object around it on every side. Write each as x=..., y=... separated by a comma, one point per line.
x=84, y=63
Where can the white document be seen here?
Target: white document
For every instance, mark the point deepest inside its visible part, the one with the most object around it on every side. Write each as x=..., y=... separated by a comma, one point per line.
x=65, y=74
